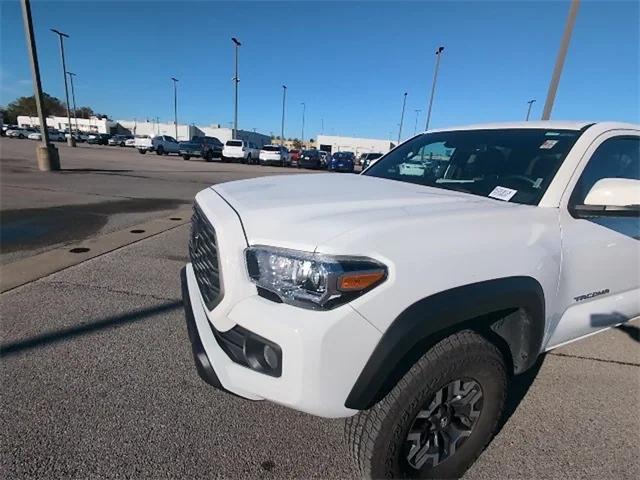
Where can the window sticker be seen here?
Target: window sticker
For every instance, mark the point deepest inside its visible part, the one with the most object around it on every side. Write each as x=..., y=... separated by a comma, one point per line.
x=503, y=193
x=548, y=144
x=538, y=182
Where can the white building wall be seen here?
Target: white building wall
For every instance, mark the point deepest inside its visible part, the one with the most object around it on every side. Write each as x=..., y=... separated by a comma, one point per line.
x=352, y=144
x=92, y=124
x=185, y=132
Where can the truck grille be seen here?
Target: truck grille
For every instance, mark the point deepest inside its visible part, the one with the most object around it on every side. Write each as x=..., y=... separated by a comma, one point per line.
x=203, y=251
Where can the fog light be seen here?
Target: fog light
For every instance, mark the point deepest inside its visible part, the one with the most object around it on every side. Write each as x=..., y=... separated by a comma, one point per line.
x=270, y=356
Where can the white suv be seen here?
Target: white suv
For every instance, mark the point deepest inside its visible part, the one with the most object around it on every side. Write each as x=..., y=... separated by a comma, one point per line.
x=239, y=151
x=412, y=307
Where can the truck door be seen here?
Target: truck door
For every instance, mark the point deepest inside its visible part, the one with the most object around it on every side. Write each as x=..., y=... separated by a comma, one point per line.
x=600, y=277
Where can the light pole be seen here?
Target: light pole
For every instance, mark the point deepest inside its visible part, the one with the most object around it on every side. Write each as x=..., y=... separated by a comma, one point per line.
x=530, y=102
x=236, y=79
x=562, y=53
x=433, y=85
x=46, y=154
x=404, y=103
x=304, y=107
x=70, y=141
x=73, y=97
x=175, y=105
x=284, y=97
x=415, y=126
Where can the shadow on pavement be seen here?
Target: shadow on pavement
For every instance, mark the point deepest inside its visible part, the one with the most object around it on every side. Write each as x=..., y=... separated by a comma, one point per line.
x=92, y=170
x=71, y=332
x=631, y=330
x=518, y=389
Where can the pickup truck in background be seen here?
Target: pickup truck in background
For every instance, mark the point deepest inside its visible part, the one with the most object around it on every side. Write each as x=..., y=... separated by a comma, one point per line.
x=206, y=147
x=161, y=144
x=240, y=151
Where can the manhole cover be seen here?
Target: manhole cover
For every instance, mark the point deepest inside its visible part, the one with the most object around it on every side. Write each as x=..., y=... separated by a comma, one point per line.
x=79, y=250
x=137, y=231
x=175, y=218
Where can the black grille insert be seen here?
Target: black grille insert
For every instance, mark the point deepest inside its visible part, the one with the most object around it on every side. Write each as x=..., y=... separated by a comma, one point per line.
x=203, y=251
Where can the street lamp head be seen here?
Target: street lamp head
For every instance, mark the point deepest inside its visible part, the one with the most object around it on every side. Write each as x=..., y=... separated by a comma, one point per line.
x=284, y=86
x=236, y=41
x=59, y=32
x=71, y=74
x=174, y=79
x=439, y=51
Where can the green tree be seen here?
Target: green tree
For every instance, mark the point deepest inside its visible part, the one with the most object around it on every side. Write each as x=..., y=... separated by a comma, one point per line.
x=297, y=144
x=27, y=106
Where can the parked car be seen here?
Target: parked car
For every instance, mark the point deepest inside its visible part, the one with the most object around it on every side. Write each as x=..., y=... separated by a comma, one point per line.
x=130, y=142
x=415, y=311
x=99, y=138
x=143, y=143
x=79, y=136
x=342, y=162
x=20, y=132
x=164, y=145
x=54, y=135
x=119, y=140
x=274, y=155
x=368, y=158
x=240, y=151
x=205, y=147
x=294, y=157
x=310, y=159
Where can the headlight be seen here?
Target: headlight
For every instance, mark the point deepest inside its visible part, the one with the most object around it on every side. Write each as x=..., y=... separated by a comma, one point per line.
x=314, y=281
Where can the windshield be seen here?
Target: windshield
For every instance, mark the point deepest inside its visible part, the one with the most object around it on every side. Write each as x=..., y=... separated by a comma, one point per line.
x=373, y=156
x=196, y=139
x=234, y=143
x=342, y=156
x=270, y=148
x=514, y=165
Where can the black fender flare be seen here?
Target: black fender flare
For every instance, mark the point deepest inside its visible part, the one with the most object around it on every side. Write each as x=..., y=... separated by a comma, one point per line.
x=521, y=321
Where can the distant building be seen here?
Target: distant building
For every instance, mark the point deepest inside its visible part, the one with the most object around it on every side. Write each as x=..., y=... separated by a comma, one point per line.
x=358, y=146
x=93, y=124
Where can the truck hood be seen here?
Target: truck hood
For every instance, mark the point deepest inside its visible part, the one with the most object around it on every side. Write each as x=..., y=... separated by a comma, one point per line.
x=304, y=211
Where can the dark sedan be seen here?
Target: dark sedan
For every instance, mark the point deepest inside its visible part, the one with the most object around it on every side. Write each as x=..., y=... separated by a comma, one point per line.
x=310, y=159
x=99, y=138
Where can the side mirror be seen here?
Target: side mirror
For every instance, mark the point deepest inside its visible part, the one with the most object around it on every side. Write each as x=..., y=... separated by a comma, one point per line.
x=611, y=197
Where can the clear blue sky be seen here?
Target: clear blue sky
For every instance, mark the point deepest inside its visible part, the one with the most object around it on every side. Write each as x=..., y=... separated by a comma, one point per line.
x=350, y=62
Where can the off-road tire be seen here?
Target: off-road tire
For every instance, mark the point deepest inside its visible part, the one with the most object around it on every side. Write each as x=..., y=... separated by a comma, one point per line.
x=376, y=436
x=159, y=151
x=186, y=157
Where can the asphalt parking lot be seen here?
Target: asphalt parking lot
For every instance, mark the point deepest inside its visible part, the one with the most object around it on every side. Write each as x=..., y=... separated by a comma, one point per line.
x=98, y=378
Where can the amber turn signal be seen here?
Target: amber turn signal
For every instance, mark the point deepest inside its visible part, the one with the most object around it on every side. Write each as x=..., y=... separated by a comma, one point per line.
x=356, y=281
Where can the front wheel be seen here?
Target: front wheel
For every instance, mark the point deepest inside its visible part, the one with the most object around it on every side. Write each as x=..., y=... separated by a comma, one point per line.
x=159, y=151
x=438, y=418
x=141, y=151
x=186, y=157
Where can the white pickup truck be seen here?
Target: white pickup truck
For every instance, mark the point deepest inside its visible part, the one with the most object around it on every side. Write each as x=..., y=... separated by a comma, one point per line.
x=161, y=144
x=410, y=308
x=240, y=151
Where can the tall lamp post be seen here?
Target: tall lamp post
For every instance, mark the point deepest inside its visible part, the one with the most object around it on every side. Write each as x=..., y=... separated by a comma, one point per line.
x=562, y=53
x=433, y=85
x=70, y=141
x=73, y=97
x=304, y=107
x=46, y=154
x=415, y=126
x=530, y=102
x=404, y=104
x=175, y=105
x=284, y=97
x=236, y=80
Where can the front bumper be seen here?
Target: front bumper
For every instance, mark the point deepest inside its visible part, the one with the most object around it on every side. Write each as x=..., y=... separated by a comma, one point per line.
x=323, y=352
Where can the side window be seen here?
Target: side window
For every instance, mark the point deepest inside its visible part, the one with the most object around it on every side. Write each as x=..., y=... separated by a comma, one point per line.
x=617, y=157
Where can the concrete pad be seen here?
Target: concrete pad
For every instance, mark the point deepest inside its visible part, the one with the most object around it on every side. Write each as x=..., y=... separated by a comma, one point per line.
x=37, y=266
